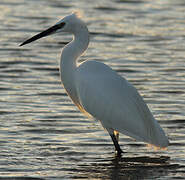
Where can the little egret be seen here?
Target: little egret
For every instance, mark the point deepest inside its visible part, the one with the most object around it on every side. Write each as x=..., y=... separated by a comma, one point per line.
x=100, y=92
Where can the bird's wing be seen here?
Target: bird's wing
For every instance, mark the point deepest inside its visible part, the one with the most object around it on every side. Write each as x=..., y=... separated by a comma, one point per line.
x=116, y=103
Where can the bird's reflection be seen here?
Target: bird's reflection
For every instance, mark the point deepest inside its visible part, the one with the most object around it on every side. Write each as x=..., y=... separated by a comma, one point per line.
x=127, y=168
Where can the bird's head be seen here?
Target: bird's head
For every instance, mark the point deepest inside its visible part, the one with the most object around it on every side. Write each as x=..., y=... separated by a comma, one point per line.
x=71, y=24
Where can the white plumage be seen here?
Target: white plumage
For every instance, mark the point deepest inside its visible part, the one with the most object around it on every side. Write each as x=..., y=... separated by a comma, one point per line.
x=116, y=103
x=99, y=91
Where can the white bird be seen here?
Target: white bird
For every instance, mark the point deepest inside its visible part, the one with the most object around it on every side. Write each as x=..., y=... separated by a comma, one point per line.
x=100, y=92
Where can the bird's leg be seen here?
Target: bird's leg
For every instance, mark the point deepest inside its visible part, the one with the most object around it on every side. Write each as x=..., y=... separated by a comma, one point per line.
x=115, y=138
x=116, y=133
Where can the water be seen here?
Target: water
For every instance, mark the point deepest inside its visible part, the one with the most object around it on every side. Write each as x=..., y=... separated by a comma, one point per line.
x=43, y=135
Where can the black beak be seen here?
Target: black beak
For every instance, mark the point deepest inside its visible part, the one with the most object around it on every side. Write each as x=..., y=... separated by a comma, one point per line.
x=47, y=32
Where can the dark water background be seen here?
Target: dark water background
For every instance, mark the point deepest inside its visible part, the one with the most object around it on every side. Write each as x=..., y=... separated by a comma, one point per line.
x=43, y=135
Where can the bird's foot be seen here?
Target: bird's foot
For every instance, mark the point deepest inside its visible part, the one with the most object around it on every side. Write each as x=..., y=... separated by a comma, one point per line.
x=118, y=153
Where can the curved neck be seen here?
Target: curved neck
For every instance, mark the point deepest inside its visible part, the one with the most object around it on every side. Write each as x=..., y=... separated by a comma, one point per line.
x=69, y=57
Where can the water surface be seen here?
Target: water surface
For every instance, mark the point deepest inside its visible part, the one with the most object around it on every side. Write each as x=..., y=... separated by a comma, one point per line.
x=43, y=135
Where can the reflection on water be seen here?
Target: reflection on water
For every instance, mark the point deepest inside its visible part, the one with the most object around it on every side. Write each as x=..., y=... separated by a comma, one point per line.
x=43, y=135
x=128, y=168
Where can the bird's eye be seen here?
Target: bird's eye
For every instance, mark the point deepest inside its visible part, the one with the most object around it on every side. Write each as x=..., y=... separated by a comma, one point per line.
x=61, y=24
x=58, y=26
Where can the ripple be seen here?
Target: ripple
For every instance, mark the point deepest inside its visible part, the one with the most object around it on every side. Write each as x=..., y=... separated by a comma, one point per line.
x=101, y=8
x=20, y=178
x=130, y=2
x=43, y=134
